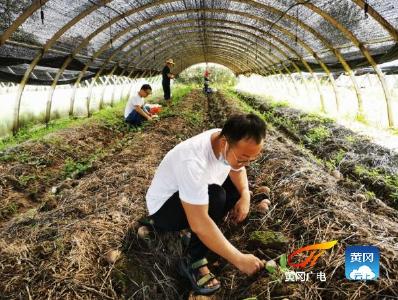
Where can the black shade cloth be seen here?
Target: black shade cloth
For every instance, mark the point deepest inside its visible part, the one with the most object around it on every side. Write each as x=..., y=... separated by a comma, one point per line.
x=239, y=34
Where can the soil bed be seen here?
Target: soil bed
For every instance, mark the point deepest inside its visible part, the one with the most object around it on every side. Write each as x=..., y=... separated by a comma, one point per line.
x=338, y=148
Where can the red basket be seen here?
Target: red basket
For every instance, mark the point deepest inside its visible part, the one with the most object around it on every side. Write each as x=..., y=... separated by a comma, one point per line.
x=155, y=110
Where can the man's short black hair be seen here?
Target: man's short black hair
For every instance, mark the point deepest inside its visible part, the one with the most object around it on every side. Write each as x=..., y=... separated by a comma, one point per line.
x=248, y=126
x=146, y=87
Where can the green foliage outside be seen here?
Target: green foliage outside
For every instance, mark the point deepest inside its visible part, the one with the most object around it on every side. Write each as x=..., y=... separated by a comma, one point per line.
x=219, y=76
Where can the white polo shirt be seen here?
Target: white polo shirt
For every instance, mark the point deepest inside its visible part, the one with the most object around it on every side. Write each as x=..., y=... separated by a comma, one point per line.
x=188, y=168
x=133, y=101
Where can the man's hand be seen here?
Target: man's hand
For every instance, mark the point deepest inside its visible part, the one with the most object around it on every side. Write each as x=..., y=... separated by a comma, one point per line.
x=249, y=264
x=242, y=207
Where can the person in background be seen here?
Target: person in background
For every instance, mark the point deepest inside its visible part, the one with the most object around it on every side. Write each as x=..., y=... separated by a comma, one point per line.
x=206, y=88
x=166, y=76
x=135, y=112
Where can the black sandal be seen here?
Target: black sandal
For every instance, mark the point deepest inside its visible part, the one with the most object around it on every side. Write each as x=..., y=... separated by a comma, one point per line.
x=191, y=271
x=146, y=221
x=185, y=237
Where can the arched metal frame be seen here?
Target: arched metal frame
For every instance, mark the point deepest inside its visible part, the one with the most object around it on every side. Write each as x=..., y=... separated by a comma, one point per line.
x=351, y=36
x=212, y=10
x=223, y=49
x=262, y=33
x=264, y=56
x=374, y=14
x=145, y=58
x=97, y=54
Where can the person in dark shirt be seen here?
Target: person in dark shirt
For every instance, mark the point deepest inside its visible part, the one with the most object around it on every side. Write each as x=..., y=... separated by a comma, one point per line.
x=206, y=88
x=167, y=75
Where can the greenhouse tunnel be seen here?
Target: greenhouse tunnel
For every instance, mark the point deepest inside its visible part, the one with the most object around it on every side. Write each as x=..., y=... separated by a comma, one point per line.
x=69, y=60
x=53, y=43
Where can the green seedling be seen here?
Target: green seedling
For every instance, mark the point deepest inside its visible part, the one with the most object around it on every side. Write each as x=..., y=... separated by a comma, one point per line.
x=277, y=271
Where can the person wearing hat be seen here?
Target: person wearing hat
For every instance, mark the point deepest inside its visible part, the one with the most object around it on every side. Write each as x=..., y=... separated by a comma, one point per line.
x=167, y=75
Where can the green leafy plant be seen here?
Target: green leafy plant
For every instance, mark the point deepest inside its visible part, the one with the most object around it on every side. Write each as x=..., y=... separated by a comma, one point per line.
x=362, y=119
x=277, y=271
x=337, y=158
x=283, y=263
x=316, y=118
x=75, y=168
x=317, y=134
x=9, y=210
x=350, y=139
x=279, y=104
x=194, y=118
x=24, y=179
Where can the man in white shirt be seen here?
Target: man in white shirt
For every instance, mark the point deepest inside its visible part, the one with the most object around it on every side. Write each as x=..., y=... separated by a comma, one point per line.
x=195, y=186
x=135, y=112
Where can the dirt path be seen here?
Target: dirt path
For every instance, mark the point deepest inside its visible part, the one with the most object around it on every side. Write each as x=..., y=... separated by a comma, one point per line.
x=33, y=172
x=59, y=253
x=338, y=148
x=309, y=206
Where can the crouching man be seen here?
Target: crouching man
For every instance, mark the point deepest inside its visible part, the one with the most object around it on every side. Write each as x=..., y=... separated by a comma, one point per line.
x=135, y=112
x=197, y=184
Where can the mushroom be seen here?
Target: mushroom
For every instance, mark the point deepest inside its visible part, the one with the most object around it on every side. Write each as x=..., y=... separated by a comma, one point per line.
x=112, y=256
x=143, y=232
x=263, y=206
